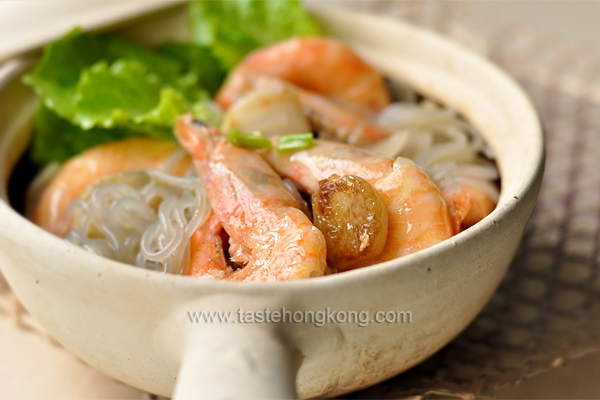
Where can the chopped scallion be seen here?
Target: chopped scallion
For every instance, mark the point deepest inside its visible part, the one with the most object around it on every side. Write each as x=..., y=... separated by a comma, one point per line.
x=253, y=139
x=298, y=141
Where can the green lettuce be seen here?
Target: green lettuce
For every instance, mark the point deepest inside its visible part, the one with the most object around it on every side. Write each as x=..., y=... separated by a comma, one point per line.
x=127, y=94
x=56, y=76
x=234, y=28
x=57, y=139
x=199, y=61
x=107, y=89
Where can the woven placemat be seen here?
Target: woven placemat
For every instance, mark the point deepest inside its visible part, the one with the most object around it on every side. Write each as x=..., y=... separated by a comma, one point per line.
x=547, y=310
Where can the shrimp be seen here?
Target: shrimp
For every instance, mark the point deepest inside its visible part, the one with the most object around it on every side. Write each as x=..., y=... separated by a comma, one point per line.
x=337, y=90
x=79, y=172
x=319, y=65
x=468, y=205
x=418, y=216
x=206, y=250
x=270, y=237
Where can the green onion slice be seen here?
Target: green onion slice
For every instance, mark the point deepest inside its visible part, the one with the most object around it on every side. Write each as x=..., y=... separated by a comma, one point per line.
x=297, y=141
x=253, y=139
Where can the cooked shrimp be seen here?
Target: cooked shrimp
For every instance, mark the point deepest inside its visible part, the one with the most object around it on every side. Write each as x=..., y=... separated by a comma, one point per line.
x=319, y=65
x=206, y=250
x=468, y=205
x=325, y=158
x=79, y=172
x=270, y=237
x=418, y=217
x=337, y=90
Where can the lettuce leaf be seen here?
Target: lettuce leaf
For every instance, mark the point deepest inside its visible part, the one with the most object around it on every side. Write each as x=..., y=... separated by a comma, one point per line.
x=198, y=60
x=127, y=94
x=103, y=87
x=57, y=76
x=234, y=28
x=167, y=67
x=112, y=96
x=57, y=139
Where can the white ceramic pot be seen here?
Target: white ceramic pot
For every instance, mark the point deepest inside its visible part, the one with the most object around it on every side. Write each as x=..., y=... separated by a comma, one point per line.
x=133, y=324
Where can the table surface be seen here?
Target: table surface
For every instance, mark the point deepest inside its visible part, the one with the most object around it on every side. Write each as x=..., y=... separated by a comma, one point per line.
x=574, y=23
x=23, y=375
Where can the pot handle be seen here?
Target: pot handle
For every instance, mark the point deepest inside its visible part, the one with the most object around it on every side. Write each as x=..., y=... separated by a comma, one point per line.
x=235, y=361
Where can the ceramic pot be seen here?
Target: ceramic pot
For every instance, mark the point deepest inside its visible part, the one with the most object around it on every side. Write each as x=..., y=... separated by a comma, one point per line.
x=135, y=324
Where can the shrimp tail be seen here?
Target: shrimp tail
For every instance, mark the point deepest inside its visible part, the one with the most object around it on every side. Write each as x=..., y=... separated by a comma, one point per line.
x=207, y=253
x=459, y=206
x=467, y=206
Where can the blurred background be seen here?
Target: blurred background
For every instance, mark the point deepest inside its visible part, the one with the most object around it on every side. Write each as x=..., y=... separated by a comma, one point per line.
x=553, y=49
x=568, y=22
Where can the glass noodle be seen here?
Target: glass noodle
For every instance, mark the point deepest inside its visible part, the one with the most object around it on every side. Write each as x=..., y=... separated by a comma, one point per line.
x=451, y=151
x=143, y=218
